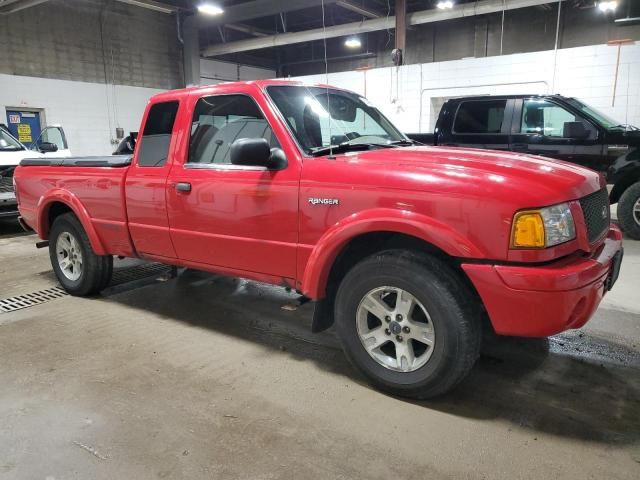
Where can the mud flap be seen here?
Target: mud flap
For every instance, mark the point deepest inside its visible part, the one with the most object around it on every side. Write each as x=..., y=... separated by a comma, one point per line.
x=322, y=315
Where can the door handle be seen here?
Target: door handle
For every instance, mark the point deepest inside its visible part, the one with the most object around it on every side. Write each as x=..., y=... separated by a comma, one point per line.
x=183, y=186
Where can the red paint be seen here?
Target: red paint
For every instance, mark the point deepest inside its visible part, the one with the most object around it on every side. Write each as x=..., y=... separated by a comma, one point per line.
x=544, y=300
x=260, y=224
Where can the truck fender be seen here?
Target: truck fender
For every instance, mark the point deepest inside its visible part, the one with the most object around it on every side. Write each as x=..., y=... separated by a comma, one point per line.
x=325, y=252
x=70, y=200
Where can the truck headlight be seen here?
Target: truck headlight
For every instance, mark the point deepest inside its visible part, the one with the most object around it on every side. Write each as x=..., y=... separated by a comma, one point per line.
x=543, y=227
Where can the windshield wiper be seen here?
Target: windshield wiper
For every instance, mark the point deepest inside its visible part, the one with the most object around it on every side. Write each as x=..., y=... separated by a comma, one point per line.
x=626, y=126
x=348, y=147
x=405, y=142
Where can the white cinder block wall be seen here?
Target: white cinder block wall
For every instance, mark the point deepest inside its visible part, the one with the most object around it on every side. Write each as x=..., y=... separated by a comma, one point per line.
x=412, y=94
x=89, y=112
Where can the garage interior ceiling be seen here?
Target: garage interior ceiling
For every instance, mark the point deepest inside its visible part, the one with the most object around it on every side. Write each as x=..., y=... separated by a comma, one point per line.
x=277, y=33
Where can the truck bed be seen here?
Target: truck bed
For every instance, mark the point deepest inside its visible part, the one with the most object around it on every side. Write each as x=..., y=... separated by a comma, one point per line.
x=98, y=186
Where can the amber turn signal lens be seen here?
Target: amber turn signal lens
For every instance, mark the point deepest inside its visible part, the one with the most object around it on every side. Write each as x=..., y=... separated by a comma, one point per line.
x=528, y=230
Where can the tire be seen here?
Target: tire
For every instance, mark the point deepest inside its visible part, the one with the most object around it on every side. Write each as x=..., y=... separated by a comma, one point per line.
x=452, y=315
x=87, y=273
x=629, y=211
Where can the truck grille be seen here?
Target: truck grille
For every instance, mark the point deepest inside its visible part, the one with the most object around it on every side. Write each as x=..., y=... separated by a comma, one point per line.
x=6, y=184
x=595, y=208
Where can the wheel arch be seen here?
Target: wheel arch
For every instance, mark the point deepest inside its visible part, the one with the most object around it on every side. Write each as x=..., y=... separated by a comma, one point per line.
x=622, y=185
x=59, y=202
x=384, y=227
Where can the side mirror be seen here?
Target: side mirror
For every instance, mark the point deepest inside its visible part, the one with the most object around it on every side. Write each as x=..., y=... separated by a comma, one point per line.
x=256, y=152
x=574, y=130
x=47, y=147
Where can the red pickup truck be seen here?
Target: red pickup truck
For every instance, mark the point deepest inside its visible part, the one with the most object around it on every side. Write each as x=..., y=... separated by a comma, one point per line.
x=406, y=249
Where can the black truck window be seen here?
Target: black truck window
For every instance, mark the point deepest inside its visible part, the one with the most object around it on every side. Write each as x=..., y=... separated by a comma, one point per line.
x=156, y=136
x=544, y=118
x=480, y=116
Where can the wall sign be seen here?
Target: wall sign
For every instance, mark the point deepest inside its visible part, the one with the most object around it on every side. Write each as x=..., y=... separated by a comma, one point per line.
x=24, y=133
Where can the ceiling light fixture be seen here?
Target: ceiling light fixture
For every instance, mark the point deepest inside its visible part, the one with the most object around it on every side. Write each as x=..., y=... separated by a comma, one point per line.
x=210, y=9
x=609, y=6
x=445, y=4
x=353, y=42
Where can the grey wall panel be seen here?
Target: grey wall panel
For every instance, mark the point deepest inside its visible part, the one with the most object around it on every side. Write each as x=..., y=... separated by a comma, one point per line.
x=92, y=41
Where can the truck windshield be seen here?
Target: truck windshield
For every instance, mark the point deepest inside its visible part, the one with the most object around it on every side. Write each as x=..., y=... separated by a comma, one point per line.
x=323, y=117
x=8, y=143
x=601, y=118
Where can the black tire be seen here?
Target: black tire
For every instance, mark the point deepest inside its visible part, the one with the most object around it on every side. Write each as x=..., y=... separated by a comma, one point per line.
x=451, y=305
x=629, y=220
x=96, y=270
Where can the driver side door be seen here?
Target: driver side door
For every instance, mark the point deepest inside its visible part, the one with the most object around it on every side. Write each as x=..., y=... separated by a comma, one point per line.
x=241, y=218
x=542, y=127
x=53, y=136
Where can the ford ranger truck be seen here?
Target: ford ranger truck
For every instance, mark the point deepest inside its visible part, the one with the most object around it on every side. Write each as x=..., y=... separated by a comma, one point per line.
x=553, y=126
x=405, y=250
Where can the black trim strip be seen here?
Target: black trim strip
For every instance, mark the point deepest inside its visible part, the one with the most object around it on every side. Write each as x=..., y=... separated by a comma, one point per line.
x=112, y=161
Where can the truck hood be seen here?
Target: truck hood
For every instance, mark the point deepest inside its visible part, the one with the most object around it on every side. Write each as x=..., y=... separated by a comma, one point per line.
x=537, y=180
x=12, y=159
x=624, y=137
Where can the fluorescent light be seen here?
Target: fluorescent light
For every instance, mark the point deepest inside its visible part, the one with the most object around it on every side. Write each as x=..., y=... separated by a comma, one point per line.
x=352, y=42
x=445, y=4
x=210, y=9
x=608, y=6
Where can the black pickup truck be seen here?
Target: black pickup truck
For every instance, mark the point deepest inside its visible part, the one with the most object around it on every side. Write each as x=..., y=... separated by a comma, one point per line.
x=553, y=126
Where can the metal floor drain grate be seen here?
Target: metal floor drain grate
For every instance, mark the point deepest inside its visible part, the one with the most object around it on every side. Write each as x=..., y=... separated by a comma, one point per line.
x=30, y=299
x=120, y=276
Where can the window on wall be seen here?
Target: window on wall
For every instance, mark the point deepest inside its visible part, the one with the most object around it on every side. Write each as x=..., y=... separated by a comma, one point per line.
x=220, y=120
x=480, y=116
x=156, y=136
x=545, y=118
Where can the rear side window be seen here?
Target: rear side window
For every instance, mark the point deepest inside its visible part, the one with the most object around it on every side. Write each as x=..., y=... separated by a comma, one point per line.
x=485, y=116
x=156, y=136
x=220, y=120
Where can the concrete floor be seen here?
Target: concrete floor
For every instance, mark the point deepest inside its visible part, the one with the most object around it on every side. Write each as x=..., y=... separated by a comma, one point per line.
x=207, y=377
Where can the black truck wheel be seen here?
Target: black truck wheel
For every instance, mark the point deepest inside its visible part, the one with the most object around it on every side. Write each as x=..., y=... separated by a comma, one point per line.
x=79, y=270
x=408, y=322
x=629, y=211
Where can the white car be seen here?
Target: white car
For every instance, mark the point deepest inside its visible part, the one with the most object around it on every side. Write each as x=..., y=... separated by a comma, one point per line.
x=51, y=143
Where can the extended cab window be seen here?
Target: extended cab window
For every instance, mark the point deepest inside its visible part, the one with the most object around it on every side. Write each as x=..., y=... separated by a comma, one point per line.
x=220, y=120
x=156, y=136
x=542, y=117
x=480, y=116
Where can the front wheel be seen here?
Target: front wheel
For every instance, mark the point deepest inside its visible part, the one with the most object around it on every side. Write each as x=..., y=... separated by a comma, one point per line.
x=629, y=211
x=408, y=322
x=79, y=270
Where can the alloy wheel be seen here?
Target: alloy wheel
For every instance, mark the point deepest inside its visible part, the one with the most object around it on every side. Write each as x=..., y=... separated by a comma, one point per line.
x=395, y=329
x=69, y=256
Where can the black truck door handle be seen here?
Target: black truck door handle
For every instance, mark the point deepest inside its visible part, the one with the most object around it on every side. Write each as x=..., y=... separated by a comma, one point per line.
x=183, y=186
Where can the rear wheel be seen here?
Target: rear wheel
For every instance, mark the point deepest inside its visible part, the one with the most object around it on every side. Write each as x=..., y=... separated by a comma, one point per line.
x=78, y=269
x=407, y=322
x=629, y=211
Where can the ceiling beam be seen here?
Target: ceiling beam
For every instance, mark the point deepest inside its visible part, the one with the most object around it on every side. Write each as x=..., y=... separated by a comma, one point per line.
x=364, y=11
x=481, y=7
x=13, y=6
x=260, y=8
x=151, y=5
x=248, y=29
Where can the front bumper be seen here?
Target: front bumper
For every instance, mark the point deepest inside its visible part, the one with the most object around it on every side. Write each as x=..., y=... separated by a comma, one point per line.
x=538, y=301
x=8, y=204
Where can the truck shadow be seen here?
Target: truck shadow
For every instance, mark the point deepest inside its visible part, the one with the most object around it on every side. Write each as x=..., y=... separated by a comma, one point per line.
x=571, y=385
